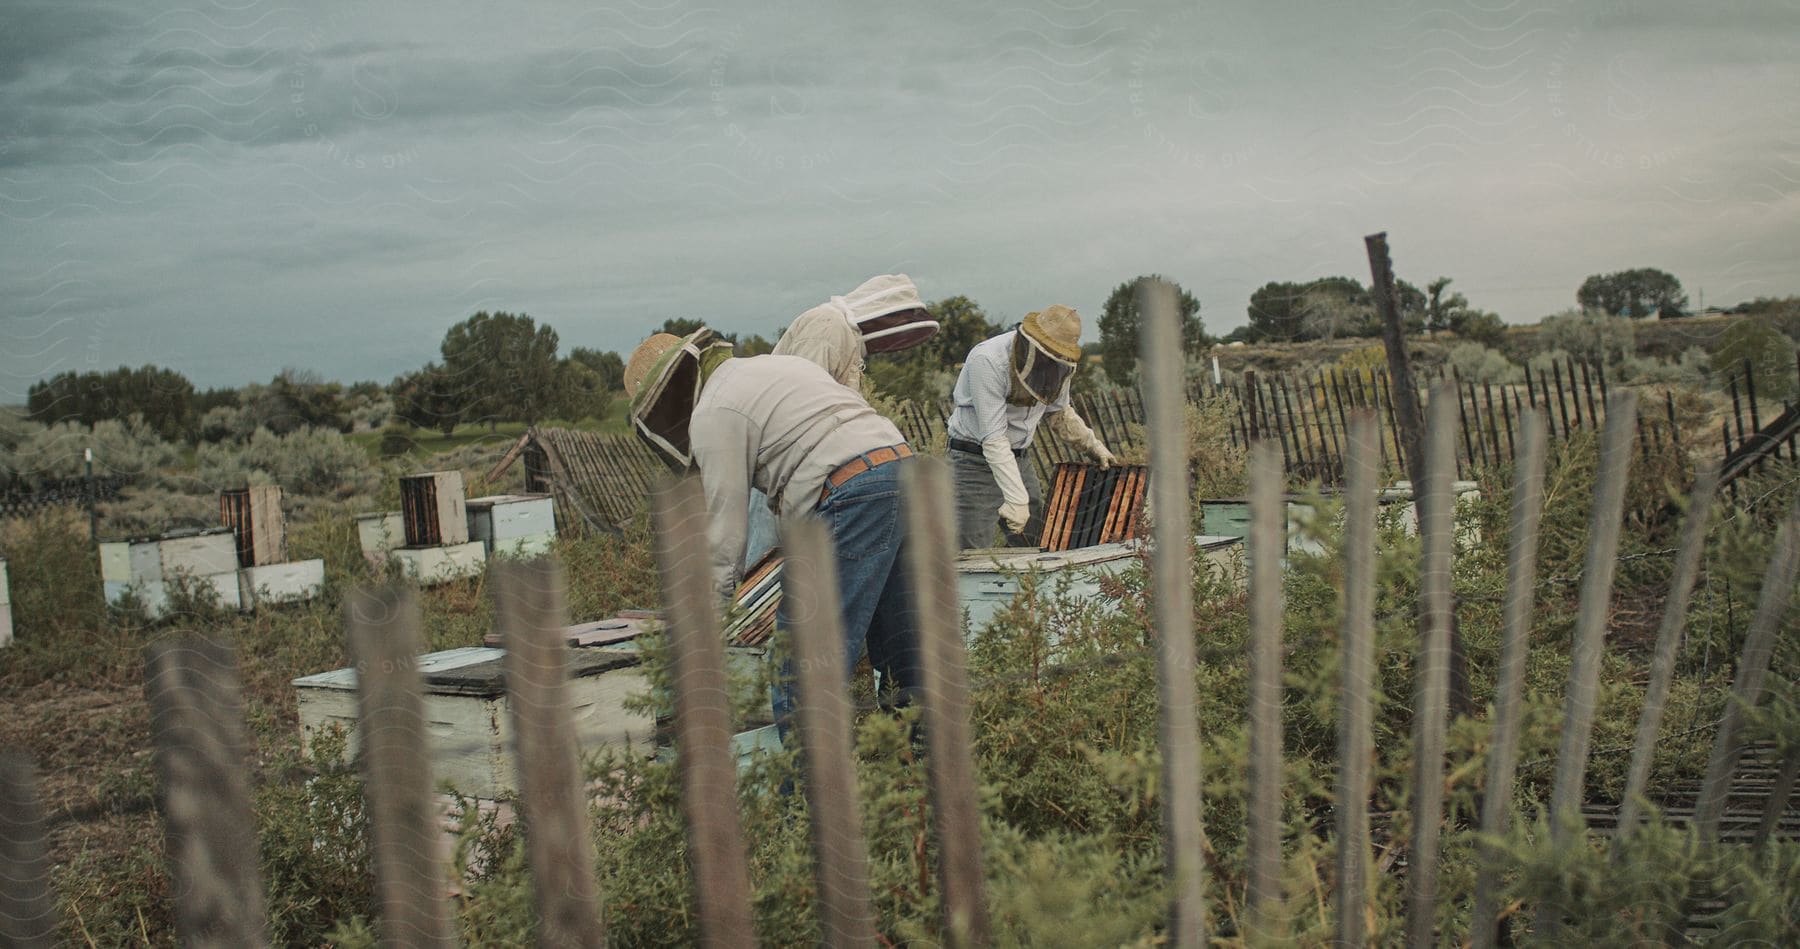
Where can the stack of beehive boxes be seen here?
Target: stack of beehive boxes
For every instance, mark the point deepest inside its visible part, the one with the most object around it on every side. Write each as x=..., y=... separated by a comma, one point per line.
x=435, y=520
x=150, y=569
x=513, y=525
x=265, y=575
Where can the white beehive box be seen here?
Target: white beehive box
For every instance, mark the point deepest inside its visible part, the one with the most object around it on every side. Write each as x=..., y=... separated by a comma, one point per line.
x=280, y=582
x=1466, y=492
x=6, y=629
x=379, y=534
x=442, y=564
x=201, y=554
x=468, y=720
x=149, y=569
x=988, y=579
x=515, y=525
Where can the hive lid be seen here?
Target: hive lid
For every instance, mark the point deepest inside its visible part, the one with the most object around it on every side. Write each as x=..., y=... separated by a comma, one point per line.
x=488, y=679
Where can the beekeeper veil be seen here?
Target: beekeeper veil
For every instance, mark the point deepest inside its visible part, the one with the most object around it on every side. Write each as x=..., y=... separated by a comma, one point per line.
x=1045, y=352
x=663, y=381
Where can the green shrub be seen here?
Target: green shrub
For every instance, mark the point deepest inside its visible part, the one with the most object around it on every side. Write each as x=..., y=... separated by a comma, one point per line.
x=1474, y=362
x=1769, y=355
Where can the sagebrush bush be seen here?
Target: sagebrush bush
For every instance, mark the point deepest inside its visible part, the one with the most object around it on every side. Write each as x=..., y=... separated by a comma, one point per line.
x=1589, y=335
x=1474, y=362
x=128, y=448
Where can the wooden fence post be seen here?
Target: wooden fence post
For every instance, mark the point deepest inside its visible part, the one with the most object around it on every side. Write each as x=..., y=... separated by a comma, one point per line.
x=931, y=540
x=809, y=578
x=1355, y=738
x=197, y=721
x=384, y=637
x=529, y=612
x=1753, y=667
x=703, y=718
x=1668, y=642
x=1509, y=687
x=1431, y=702
x=1268, y=537
x=1598, y=567
x=1172, y=583
x=27, y=907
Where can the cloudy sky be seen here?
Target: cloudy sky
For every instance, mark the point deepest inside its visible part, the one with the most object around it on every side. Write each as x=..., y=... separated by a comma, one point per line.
x=232, y=188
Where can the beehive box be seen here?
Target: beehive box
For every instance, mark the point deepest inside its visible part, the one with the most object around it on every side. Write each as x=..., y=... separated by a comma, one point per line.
x=442, y=564
x=254, y=516
x=514, y=525
x=6, y=627
x=468, y=719
x=380, y=534
x=150, y=568
x=988, y=579
x=280, y=583
x=433, y=510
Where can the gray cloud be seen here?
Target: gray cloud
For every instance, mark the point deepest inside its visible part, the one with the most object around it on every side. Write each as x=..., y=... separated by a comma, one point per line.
x=230, y=190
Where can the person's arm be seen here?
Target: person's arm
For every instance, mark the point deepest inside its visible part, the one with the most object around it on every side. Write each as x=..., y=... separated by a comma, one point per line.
x=987, y=395
x=726, y=456
x=1069, y=426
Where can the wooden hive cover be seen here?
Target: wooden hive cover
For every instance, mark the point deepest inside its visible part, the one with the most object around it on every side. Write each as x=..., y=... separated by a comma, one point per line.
x=433, y=510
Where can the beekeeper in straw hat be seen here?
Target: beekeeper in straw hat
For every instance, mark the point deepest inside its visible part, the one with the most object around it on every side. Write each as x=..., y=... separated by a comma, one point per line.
x=883, y=315
x=813, y=446
x=1009, y=385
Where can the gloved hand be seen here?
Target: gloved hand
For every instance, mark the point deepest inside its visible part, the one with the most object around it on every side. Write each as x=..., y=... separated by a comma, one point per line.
x=1101, y=455
x=1015, y=516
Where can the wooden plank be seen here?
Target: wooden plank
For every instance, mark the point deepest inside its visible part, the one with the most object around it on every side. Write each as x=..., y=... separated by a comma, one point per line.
x=1753, y=668
x=1668, y=643
x=1357, y=641
x=703, y=718
x=27, y=907
x=956, y=814
x=383, y=628
x=197, y=724
x=1405, y=396
x=1431, y=702
x=841, y=865
x=1598, y=567
x=1267, y=540
x=530, y=613
x=1172, y=585
x=1509, y=686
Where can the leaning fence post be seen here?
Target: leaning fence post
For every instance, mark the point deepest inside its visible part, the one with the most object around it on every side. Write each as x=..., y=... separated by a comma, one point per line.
x=197, y=721
x=27, y=909
x=529, y=611
x=931, y=540
x=1431, y=702
x=841, y=864
x=1172, y=583
x=1753, y=667
x=1268, y=511
x=1668, y=642
x=383, y=630
x=1598, y=567
x=1509, y=687
x=1355, y=739
x=1779, y=793
x=703, y=718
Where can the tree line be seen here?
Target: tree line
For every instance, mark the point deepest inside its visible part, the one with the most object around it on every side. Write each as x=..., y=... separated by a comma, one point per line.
x=506, y=367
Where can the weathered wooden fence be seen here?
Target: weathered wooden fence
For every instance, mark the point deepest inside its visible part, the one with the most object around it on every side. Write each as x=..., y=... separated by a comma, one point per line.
x=201, y=756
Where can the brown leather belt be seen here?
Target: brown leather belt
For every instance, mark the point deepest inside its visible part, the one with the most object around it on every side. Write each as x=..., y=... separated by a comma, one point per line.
x=861, y=463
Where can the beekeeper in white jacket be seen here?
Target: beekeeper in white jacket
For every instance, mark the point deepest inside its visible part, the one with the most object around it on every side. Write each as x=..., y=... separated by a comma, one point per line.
x=884, y=315
x=1009, y=385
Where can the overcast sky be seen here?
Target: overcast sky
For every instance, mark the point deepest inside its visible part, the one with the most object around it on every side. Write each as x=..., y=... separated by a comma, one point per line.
x=229, y=189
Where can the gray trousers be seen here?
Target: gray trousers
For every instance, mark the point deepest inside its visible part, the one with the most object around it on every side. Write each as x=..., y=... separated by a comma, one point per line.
x=978, y=503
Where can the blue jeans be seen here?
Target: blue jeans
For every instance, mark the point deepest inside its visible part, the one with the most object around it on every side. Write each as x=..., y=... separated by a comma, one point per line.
x=875, y=598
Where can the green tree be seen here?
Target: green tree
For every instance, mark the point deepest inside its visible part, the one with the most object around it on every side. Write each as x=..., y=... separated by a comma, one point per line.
x=962, y=323
x=505, y=366
x=1441, y=310
x=164, y=397
x=1634, y=293
x=428, y=398
x=1119, y=322
x=590, y=380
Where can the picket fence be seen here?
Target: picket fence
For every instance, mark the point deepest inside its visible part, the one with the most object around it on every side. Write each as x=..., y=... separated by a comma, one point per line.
x=205, y=797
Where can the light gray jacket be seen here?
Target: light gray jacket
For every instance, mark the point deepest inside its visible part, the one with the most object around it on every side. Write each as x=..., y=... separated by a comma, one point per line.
x=780, y=424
